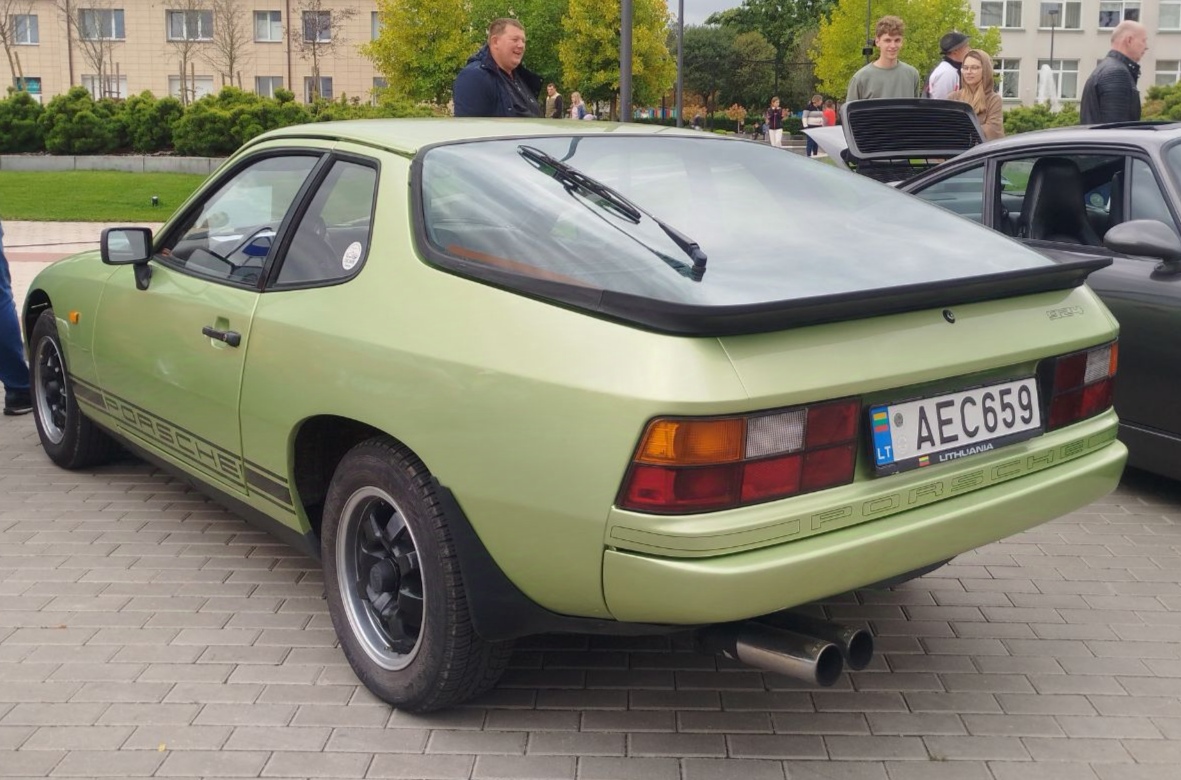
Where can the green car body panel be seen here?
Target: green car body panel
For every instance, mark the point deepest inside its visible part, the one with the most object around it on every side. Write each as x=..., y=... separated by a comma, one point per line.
x=530, y=412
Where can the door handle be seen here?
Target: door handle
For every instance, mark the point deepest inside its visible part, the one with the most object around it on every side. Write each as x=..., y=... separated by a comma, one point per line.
x=231, y=337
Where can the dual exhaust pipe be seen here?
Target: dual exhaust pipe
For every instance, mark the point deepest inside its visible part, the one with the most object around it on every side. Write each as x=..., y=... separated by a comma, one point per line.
x=801, y=647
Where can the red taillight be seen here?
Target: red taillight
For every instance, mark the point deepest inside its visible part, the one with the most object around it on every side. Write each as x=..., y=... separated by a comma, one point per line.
x=1081, y=385
x=688, y=465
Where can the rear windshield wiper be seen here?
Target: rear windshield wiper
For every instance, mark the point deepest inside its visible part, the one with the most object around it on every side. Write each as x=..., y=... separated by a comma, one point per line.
x=571, y=177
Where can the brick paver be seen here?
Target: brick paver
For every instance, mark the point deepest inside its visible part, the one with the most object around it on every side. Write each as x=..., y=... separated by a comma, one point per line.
x=145, y=631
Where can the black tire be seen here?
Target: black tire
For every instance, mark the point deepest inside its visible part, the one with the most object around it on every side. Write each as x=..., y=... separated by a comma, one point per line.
x=394, y=585
x=68, y=437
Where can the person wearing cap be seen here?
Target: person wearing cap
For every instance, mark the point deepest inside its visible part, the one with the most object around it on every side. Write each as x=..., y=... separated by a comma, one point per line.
x=945, y=79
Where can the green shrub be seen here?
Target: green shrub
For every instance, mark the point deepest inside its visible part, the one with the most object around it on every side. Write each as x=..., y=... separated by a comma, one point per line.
x=1164, y=102
x=148, y=121
x=793, y=125
x=73, y=123
x=1024, y=119
x=20, y=126
x=204, y=130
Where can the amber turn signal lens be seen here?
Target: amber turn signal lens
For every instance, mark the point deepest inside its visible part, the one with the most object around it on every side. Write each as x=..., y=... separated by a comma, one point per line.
x=692, y=442
x=74, y=317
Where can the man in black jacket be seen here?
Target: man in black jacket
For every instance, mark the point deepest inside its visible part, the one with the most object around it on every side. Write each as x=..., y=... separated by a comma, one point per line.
x=494, y=83
x=1110, y=94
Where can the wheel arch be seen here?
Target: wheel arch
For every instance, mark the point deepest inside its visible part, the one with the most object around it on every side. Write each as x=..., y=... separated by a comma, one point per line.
x=318, y=446
x=36, y=302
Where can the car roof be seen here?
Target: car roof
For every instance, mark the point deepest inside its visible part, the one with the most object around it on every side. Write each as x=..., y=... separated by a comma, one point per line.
x=1143, y=134
x=407, y=136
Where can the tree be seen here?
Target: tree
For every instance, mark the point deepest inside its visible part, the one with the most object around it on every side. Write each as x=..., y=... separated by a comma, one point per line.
x=837, y=49
x=781, y=22
x=752, y=82
x=421, y=46
x=190, y=24
x=321, y=32
x=232, y=40
x=543, y=30
x=9, y=10
x=710, y=61
x=96, y=28
x=589, y=50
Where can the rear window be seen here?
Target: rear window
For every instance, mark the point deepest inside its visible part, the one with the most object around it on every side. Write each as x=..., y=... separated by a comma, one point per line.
x=773, y=225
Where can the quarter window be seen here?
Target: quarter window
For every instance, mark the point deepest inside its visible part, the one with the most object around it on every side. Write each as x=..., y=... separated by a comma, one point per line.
x=24, y=30
x=268, y=26
x=1146, y=200
x=317, y=26
x=190, y=25
x=229, y=237
x=332, y=239
x=961, y=193
x=1069, y=17
x=101, y=24
x=1112, y=12
x=1000, y=13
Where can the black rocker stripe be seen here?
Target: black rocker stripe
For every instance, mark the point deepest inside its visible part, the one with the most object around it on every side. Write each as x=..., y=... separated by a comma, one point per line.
x=162, y=432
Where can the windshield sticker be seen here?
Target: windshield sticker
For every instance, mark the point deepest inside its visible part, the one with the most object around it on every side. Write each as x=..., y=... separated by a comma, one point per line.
x=351, y=256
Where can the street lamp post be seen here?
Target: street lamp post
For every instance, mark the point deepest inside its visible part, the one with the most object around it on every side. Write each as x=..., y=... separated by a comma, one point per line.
x=625, y=61
x=680, y=60
x=1053, y=14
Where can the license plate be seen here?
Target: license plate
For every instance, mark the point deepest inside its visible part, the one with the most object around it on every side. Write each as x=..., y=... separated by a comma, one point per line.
x=929, y=431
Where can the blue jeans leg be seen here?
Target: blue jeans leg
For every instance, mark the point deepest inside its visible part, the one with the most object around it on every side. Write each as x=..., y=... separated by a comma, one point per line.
x=811, y=147
x=14, y=372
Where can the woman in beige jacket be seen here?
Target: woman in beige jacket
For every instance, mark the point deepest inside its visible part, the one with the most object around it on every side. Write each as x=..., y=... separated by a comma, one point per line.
x=978, y=89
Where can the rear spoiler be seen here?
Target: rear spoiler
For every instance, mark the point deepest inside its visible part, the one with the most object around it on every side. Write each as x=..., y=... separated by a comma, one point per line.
x=893, y=139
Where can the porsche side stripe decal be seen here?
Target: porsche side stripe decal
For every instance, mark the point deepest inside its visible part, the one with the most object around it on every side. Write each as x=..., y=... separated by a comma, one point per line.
x=186, y=445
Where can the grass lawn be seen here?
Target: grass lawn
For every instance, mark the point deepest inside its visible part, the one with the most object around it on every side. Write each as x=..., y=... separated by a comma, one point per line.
x=92, y=196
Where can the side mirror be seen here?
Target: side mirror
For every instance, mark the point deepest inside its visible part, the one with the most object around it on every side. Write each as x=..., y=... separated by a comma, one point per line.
x=126, y=246
x=1146, y=238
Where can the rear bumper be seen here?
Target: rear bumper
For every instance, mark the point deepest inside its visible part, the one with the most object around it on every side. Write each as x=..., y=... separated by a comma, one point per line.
x=653, y=589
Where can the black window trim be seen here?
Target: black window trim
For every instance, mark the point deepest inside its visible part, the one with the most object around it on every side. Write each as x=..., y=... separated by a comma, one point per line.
x=693, y=320
x=270, y=279
x=217, y=183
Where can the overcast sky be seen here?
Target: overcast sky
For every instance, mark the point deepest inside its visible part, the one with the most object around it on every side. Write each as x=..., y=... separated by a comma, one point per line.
x=697, y=10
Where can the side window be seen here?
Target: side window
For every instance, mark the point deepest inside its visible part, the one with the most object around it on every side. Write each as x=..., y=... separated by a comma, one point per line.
x=1062, y=197
x=962, y=193
x=332, y=238
x=1146, y=200
x=229, y=237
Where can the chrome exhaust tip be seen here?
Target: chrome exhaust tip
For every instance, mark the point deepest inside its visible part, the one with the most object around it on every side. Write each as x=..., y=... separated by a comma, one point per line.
x=856, y=644
x=806, y=658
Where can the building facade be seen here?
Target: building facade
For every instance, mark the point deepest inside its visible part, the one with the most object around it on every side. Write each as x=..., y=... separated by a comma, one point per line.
x=1072, y=36
x=118, y=48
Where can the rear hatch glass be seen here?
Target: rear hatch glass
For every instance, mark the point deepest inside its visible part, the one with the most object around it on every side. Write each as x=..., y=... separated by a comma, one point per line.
x=778, y=231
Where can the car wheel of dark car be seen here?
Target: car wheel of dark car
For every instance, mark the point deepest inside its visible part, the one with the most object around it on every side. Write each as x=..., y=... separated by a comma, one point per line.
x=394, y=585
x=70, y=439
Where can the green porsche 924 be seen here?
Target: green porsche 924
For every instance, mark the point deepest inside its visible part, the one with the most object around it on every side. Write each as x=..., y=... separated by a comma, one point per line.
x=513, y=377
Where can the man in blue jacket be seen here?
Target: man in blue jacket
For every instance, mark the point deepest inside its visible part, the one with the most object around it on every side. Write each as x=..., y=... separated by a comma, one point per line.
x=1110, y=94
x=494, y=83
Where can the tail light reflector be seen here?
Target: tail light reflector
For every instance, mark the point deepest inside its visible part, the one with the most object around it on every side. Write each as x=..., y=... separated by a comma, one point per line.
x=686, y=465
x=1082, y=385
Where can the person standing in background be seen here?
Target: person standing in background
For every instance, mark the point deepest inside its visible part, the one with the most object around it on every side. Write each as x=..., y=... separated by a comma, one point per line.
x=945, y=79
x=14, y=371
x=554, y=107
x=813, y=116
x=494, y=82
x=979, y=91
x=774, y=119
x=1110, y=94
x=887, y=76
x=830, y=113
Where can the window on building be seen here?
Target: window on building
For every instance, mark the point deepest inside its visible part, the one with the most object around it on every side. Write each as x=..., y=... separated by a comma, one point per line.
x=1066, y=75
x=1168, y=72
x=1000, y=13
x=317, y=26
x=1069, y=17
x=101, y=23
x=325, y=88
x=109, y=86
x=30, y=84
x=24, y=30
x=1008, y=78
x=1170, y=15
x=266, y=85
x=268, y=26
x=197, y=86
x=190, y=25
x=1113, y=12
x=374, y=25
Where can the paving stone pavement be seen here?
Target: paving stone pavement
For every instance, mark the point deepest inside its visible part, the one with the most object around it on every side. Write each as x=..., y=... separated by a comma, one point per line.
x=147, y=632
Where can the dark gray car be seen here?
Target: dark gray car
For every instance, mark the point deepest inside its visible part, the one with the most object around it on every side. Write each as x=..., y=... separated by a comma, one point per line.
x=1107, y=191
